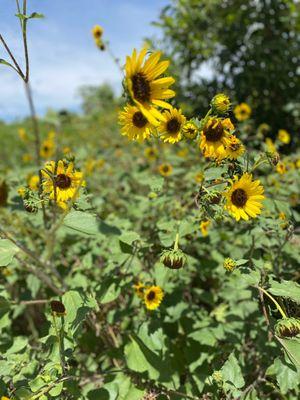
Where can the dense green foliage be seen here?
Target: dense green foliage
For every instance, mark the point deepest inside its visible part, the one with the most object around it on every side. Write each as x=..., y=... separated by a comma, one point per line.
x=251, y=49
x=73, y=325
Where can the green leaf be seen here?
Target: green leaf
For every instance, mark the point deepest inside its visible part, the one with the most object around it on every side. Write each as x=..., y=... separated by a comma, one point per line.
x=129, y=237
x=292, y=348
x=31, y=16
x=7, y=252
x=232, y=373
x=4, y=62
x=287, y=289
x=81, y=222
x=287, y=377
x=56, y=391
x=77, y=307
x=109, y=291
x=141, y=358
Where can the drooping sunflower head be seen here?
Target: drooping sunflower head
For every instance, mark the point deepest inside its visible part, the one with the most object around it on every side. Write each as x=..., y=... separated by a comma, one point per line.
x=244, y=198
x=47, y=148
x=214, y=136
x=242, y=112
x=283, y=136
x=61, y=182
x=190, y=130
x=97, y=31
x=220, y=104
x=171, y=127
x=165, y=169
x=145, y=85
x=134, y=124
x=233, y=149
x=153, y=296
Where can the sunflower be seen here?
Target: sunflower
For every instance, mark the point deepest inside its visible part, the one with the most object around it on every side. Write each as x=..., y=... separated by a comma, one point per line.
x=65, y=179
x=134, y=124
x=165, y=169
x=146, y=86
x=242, y=112
x=139, y=289
x=47, y=148
x=214, y=136
x=233, y=149
x=199, y=177
x=281, y=168
x=204, y=225
x=153, y=296
x=244, y=198
x=190, y=130
x=283, y=136
x=26, y=158
x=22, y=134
x=183, y=152
x=97, y=31
x=34, y=182
x=171, y=127
x=151, y=153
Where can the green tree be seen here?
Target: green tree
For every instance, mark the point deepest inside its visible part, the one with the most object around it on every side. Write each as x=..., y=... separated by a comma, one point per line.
x=97, y=99
x=250, y=48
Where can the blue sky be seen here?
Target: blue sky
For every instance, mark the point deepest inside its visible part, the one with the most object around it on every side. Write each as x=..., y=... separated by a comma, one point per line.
x=62, y=53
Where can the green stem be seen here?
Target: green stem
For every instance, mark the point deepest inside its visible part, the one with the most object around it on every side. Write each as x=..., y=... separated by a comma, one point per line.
x=279, y=308
x=176, y=242
x=59, y=338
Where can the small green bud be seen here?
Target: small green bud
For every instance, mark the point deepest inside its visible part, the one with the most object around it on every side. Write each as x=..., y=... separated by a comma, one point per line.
x=217, y=377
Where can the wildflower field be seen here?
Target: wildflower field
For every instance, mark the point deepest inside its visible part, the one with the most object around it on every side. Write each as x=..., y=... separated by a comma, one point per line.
x=149, y=244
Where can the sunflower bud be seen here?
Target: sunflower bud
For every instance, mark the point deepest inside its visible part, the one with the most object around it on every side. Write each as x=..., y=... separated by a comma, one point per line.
x=288, y=327
x=57, y=308
x=190, y=130
x=229, y=264
x=220, y=104
x=174, y=259
x=217, y=377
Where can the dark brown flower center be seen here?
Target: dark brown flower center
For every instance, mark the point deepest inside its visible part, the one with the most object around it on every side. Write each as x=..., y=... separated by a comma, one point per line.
x=173, y=125
x=165, y=168
x=62, y=181
x=213, y=132
x=239, y=197
x=139, y=120
x=141, y=87
x=151, y=295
